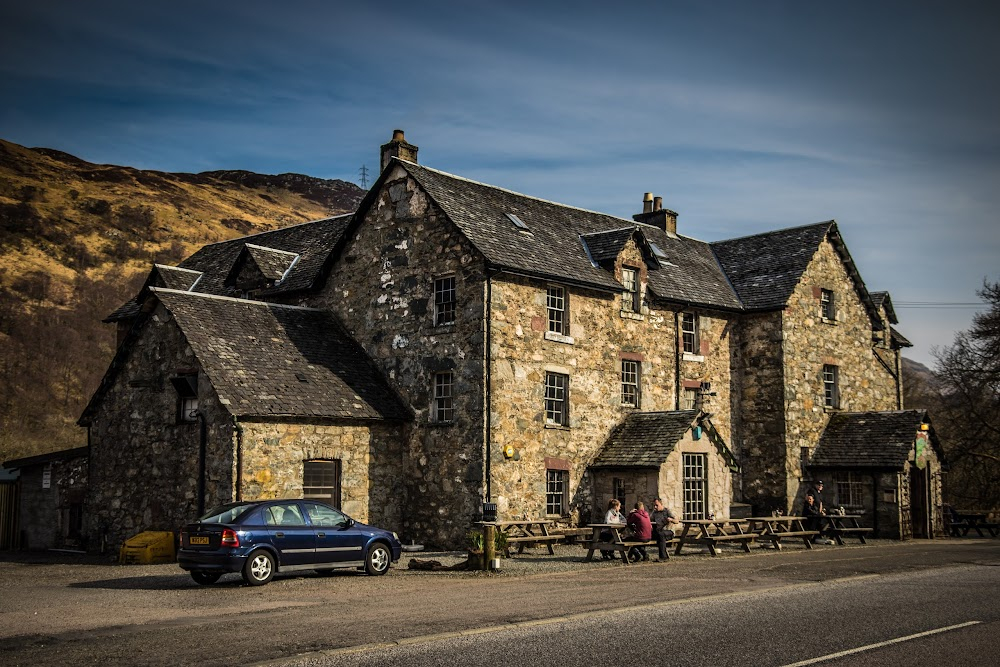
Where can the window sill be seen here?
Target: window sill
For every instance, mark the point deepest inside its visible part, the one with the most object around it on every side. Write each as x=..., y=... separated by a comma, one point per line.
x=827, y=320
x=687, y=356
x=559, y=338
x=831, y=409
x=443, y=328
x=440, y=424
x=558, y=427
x=629, y=315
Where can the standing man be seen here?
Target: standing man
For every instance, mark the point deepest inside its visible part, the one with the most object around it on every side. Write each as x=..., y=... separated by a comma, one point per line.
x=662, y=520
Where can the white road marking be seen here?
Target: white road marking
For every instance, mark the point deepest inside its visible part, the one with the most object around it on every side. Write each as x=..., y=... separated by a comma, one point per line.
x=841, y=654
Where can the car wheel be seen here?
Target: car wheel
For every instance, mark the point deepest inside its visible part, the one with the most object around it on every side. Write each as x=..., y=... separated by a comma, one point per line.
x=259, y=568
x=378, y=559
x=205, y=578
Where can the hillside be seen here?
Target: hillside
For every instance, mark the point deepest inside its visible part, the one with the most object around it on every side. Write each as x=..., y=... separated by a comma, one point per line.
x=77, y=239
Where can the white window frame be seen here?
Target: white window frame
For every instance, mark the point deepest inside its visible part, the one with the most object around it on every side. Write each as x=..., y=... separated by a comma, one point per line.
x=631, y=383
x=827, y=307
x=631, y=302
x=831, y=386
x=445, y=301
x=850, y=487
x=689, y=334
x=557, y=310
x=556, y=492
x=556, y=399
x=695, y=486
x=689, y=398
x=444, y=397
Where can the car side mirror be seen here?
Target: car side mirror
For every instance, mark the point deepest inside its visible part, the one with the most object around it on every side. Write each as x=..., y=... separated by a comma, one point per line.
x=350, y=523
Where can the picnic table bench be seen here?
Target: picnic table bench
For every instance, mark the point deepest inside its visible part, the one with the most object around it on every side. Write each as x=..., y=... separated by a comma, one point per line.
x=524, y=532
x=620, y=541
x=710, y=532
x=776, y=528
x=966, y=521
x=844, y=525
x=571, y=535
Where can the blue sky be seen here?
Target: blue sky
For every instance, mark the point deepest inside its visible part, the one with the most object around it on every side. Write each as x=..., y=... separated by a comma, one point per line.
x=744, y=116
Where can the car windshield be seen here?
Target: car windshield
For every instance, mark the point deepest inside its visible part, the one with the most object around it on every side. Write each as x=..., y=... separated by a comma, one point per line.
x=226, y=513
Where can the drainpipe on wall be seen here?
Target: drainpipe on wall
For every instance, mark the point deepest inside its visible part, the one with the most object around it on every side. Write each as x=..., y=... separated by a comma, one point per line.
x=239, y=458
x=488, y=361
x=202, y=448
x=677, y=361
x=875, y=495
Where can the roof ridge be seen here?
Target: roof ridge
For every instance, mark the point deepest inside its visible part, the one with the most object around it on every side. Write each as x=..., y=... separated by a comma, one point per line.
x=249, y=302
x=773, y=231
x=175, y=268
x=514, y=192
x=269, y=249
x=279, y=229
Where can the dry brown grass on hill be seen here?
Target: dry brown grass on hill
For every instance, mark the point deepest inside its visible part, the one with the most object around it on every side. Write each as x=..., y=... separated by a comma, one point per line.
x=77, y=239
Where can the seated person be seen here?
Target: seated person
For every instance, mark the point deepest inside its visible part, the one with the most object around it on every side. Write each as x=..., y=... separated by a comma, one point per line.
x=662, y=519
x=812, y=512
x=614, y=515
x=642, y=529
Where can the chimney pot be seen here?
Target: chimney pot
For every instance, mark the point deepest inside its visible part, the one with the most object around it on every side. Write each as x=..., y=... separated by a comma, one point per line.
x=647, y=202
x=399, y=147
x=657, y=203
x=397, y=135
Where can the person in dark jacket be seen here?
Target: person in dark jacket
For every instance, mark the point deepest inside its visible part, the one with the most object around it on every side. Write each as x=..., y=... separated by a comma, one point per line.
x=812, y=512
x=642, y=529
x=662, y=518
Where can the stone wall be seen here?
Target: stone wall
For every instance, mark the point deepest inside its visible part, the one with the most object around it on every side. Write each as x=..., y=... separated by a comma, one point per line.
x=143, y=461
x=383, y=290
x=601, y=334
x=371, y=464
x=45, y=513
x=810, y=342
x=759, y=440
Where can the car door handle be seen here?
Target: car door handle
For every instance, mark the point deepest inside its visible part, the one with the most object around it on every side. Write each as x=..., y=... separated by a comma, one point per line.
x=320, y=534
x=279, y=534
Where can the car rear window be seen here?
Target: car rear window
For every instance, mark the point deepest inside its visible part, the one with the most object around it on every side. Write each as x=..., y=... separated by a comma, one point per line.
x=226, y=513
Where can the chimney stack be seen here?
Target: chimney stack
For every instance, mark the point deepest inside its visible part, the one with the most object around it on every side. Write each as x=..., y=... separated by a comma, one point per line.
x=647, y=202
x=654, y=214
x=397, y=147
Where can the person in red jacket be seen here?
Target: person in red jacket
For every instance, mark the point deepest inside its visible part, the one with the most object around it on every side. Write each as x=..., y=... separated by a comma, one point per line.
x=642, y=529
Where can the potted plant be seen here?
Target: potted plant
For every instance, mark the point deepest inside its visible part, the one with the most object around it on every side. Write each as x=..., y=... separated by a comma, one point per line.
x=476, y=556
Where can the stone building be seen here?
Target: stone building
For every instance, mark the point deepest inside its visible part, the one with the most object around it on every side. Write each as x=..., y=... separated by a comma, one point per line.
x=453, y=342
x=52, y=489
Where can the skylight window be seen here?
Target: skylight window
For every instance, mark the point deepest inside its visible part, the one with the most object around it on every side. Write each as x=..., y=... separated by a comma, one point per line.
x=658, y=251
x=518, y=222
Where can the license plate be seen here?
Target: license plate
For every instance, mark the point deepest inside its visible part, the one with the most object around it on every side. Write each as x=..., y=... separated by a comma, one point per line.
x=198, y=540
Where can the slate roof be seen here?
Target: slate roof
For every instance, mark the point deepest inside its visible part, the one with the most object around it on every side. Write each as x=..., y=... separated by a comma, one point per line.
x=883, y=299
x=644, y=439
x=869, y=439
x=271, y=360
x=606, y=246
x=553, y=248
x=899, y=339
x=314, y=242
x=765, y=268
x=61, y=455
x=271, y=262
x=174, y=277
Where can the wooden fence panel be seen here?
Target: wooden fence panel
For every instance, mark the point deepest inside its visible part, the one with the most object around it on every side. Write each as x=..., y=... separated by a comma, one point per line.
x=9, y=525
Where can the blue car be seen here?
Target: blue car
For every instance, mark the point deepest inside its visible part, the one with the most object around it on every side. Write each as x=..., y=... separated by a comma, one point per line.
x=259, y=538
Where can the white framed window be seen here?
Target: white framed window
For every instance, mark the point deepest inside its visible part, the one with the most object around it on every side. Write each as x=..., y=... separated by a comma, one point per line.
x=695, y=486
x=558, y=310
x=630, y=383
x=630, y=293
x=557, y=492
x=689, y=398
x=444, y=401
x=557, y=399
x=689, y=333
x=444, y=301
x=850, y=489
x=827, y=308
x=186, y=386
x=831, y=388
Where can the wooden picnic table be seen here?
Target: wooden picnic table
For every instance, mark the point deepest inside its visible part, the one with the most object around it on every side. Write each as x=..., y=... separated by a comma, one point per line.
x=712, y=531
x=620, y=541
x=840, y=525
x=774, y=528
x=972, y=521
x=525, y=531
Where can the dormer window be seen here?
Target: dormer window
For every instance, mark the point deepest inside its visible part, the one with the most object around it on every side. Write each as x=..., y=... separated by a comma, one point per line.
x=630, y=293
